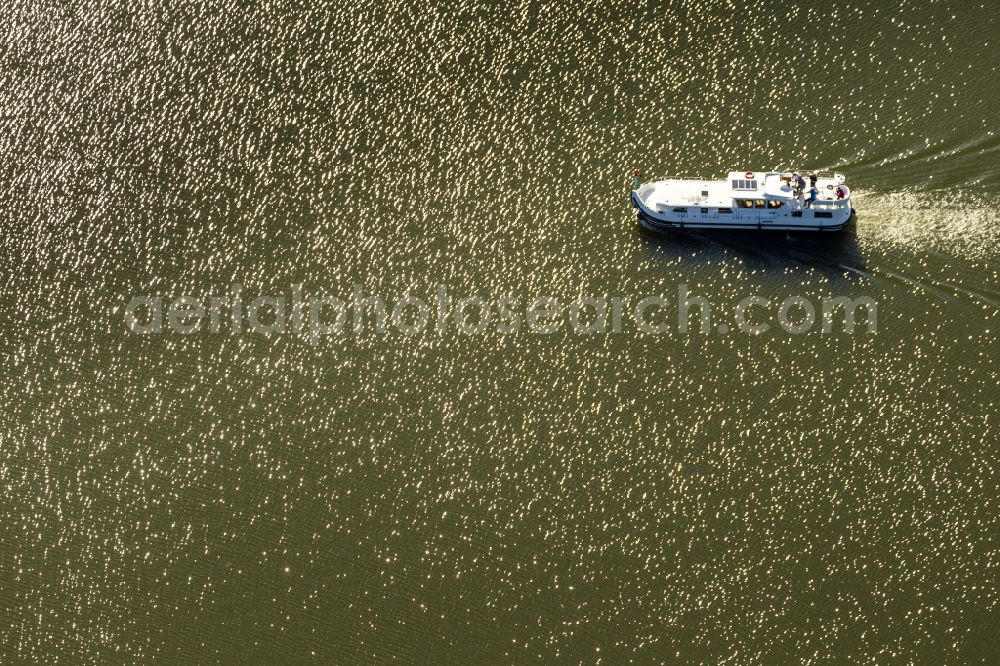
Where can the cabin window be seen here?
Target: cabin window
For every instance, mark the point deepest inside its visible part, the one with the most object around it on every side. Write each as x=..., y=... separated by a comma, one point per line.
x=704, y=193
x=704, y=210
x=758, y=203
x=742, y=184
x=726, y=210
x=824, y=214
x=745, y=203
x=774, y=203
x=680, y=210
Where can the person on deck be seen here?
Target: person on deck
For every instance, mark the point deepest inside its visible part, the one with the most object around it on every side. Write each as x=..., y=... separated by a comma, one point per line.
x=813, y=193
x=799, y=183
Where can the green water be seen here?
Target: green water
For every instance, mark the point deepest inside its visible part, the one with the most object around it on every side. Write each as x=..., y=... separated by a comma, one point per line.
x=494, y=498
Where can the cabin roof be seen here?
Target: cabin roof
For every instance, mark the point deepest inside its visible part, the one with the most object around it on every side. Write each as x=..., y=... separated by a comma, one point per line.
x=776, y=188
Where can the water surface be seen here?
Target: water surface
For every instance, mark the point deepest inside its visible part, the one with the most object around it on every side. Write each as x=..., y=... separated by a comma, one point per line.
x=616, y=498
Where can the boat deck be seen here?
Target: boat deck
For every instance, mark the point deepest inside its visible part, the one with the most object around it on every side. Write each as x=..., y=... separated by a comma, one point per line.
x=721, y=193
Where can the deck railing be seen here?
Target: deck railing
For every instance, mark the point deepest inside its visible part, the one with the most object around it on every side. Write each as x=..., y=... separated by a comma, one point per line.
x=828, y=203
x=835, y=175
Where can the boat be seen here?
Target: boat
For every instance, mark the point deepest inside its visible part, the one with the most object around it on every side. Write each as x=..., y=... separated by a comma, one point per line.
x=770, y=200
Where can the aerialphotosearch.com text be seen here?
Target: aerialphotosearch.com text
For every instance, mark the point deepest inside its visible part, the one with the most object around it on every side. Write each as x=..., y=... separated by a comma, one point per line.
x=317, y=315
